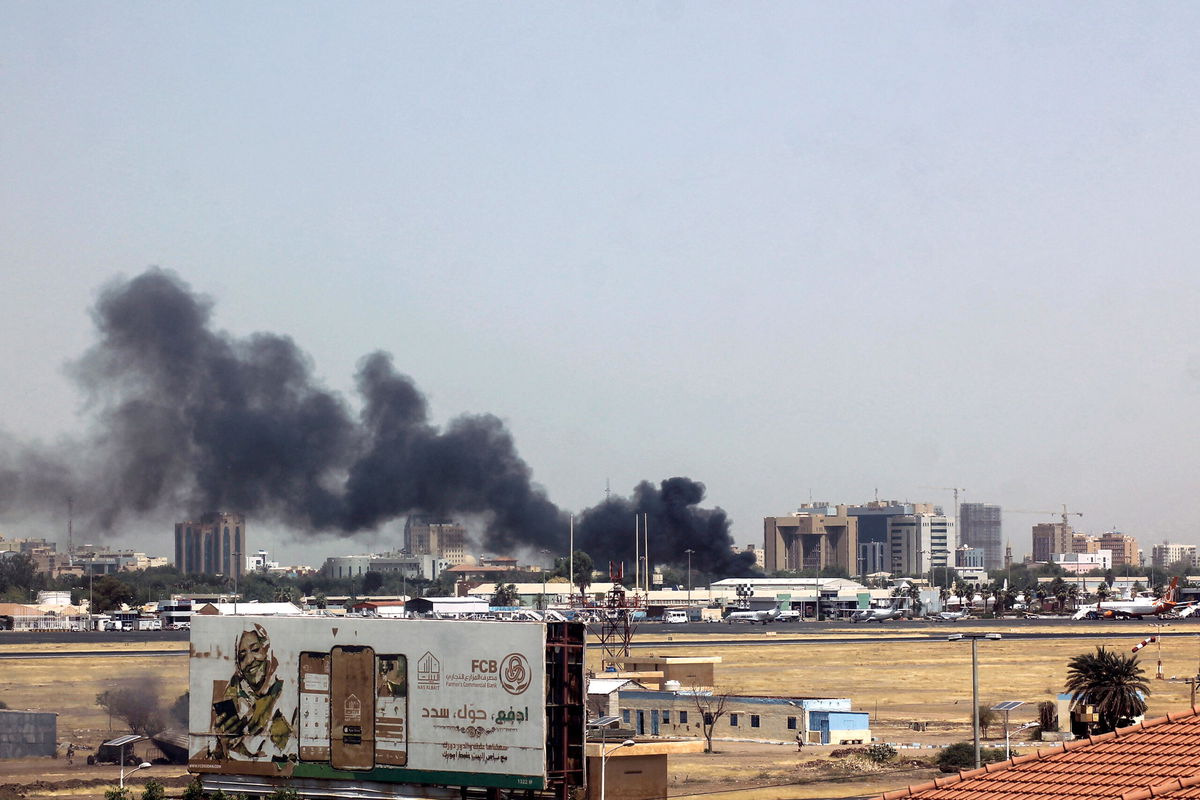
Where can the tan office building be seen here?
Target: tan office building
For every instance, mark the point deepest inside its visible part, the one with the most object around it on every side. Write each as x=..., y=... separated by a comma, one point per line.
x=1050, y=538
x=1123, y=547
x=815, y=537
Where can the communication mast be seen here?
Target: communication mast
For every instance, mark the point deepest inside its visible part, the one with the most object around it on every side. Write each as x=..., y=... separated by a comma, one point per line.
x=617, y=624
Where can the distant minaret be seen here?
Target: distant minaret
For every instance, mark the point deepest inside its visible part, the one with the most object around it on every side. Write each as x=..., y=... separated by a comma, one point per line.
x=1007, y=555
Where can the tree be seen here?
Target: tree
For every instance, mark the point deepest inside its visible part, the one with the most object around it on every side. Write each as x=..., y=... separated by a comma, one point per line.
x=711, y=705
x=505, y=594
x=582, y=565
x=961, y=755
x=1113, y=683
x=962, y=592
x=1048, y=715
x=372, y=581
x=987, y=718
x=109, y=593
x=154, y=791
x=914, y=594
x=17, y=575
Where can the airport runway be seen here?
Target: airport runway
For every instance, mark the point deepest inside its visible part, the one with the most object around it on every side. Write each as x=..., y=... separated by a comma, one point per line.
x=690, y=634
x=91, y=654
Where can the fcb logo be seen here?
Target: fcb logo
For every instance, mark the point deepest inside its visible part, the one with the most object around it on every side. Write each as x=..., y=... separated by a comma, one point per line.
x=514, y=673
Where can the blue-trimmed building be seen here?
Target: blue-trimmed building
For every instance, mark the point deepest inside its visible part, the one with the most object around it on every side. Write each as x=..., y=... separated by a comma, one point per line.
x=770, y=719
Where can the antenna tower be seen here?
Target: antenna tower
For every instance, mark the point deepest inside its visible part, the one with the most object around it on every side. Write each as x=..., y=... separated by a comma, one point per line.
x=616, y=617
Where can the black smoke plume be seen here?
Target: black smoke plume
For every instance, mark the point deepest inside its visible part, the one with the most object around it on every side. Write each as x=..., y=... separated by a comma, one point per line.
x=189, y=419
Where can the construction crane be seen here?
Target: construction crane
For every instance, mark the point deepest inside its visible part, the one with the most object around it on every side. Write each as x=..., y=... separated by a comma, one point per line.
x=948, y=489
x=1064, y=513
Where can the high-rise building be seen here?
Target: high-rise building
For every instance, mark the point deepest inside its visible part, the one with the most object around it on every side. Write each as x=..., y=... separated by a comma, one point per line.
x=1123, y=547
x=921, y=543
x=1050, y=538
x=1166, y=554
x=215, y=545
x=979, y=528
x=873, y=554
x=436, y=536
x=814, y=537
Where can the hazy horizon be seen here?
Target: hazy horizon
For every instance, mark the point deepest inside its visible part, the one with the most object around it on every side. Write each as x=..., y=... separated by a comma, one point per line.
x=794, y=252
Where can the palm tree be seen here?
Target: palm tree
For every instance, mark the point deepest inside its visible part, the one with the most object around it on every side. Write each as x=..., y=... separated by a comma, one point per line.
x=1113, y=683
x=1073, y=595
x=961, y=591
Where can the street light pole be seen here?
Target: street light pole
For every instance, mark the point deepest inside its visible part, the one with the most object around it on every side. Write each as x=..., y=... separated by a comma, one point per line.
x=1026, y=726
x=974, y=637
x=143, y=765
x=604, y=760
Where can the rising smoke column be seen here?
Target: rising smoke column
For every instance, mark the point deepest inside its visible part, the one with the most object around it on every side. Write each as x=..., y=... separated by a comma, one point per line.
x=676, y=523
x=188, y=419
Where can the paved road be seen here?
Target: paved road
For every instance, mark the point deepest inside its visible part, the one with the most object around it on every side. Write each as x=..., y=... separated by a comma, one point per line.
x=98, y=638
x=787, y=633
x=91, y=654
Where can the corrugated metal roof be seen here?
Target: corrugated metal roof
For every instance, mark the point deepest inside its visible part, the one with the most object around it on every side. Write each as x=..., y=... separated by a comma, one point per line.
x=606, y=685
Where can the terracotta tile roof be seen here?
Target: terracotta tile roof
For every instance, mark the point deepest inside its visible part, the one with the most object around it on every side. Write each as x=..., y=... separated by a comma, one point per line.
x=1159, y=758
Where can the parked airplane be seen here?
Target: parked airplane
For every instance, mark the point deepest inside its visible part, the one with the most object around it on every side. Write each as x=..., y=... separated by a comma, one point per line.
x=1132, y=609
x=877, y=614
x=951, y=616
x=752, y=616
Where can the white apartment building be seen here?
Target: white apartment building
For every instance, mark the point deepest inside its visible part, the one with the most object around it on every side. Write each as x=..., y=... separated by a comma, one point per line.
x=1079, y=563
x=921, y=543
x=1166, y=554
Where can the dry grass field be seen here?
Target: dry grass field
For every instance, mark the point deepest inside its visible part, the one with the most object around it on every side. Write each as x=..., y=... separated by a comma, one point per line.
x=929, y=679
x=898, y=682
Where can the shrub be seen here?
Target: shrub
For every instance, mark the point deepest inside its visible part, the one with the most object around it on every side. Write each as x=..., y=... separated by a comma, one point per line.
x=193, y=791
x=116, y=794
x=880, y=753
x=154, y=791
x=284, y=794
x=961, y=755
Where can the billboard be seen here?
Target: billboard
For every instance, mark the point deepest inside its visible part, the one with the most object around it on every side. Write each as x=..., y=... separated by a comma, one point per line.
x=447, y=702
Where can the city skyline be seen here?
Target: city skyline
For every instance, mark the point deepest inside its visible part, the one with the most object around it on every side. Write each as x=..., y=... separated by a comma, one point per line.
x=791, y=253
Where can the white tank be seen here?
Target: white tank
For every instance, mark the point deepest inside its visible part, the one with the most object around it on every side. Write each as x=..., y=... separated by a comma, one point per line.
x=672, y=686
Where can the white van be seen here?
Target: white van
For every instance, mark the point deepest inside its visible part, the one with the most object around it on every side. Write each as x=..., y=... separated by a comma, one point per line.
x=674, y=616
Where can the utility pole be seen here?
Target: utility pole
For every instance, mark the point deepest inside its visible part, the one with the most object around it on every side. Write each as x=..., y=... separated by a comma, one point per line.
x=974, y=637
x=689, y=555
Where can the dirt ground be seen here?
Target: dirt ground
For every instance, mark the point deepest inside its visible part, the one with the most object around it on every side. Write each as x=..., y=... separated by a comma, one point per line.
x=897, y=682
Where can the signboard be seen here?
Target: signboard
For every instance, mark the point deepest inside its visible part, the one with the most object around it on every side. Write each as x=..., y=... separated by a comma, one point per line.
x=401, y=701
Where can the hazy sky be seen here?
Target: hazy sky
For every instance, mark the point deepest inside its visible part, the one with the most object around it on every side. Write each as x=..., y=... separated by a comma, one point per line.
x=785, y=249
